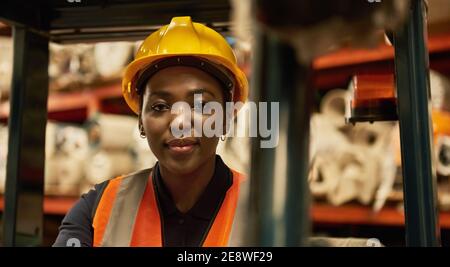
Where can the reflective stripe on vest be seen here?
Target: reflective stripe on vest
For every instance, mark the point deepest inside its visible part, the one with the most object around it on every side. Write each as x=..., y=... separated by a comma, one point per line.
x=128, y=214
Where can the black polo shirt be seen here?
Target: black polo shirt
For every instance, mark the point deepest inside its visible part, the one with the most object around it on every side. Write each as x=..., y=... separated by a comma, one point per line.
x=188, y=229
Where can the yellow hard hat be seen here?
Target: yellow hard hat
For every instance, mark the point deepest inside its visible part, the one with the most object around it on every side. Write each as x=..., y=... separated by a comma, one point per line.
x=186, y=43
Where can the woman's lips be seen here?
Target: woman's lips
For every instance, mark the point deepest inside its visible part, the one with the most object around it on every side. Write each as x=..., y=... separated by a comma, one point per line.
x=182, y=149
x=182, y=146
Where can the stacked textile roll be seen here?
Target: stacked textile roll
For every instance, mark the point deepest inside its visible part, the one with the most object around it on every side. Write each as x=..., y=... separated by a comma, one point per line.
x=3, y=155
x=119, y=54
x=73, y=66
x=111, y=139
x=67, y=151
x=6, y=60
x=348, y=162
x=114, y=132
x=104, y=165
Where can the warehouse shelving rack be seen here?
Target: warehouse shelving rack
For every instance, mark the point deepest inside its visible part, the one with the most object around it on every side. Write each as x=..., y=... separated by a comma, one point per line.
x=35, y=23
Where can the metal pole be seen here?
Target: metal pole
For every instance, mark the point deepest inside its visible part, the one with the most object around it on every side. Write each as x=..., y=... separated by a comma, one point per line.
x=279, y=193
x=298, y=97
x=413, y=89
x=23, y=215
x=261, y=232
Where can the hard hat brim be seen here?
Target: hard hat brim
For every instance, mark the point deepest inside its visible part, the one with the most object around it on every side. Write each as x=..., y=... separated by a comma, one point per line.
x=133, y=69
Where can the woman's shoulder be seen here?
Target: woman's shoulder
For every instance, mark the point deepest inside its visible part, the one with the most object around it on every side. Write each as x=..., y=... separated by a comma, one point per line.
x=78, y=221
x=117, y=181
x=98, y=189
x=144, y=173
x=77, y=224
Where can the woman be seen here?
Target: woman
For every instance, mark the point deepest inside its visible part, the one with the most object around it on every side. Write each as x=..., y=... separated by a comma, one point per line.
x=189, y=198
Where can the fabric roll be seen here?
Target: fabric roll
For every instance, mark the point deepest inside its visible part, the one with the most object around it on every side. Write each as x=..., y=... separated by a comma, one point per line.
x=104, y=165
x=3, y=155
x=119, y=54
x=6, y=63
x=64, y=174
x=115, y=131
x=333, y=105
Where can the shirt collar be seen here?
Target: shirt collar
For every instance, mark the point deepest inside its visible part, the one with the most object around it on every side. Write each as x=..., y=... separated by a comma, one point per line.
x=210, y=200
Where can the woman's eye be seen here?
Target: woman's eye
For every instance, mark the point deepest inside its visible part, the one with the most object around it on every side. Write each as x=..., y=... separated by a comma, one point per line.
x=158, y=107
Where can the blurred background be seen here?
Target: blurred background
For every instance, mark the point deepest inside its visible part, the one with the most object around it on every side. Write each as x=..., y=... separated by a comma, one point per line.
x=355, y=176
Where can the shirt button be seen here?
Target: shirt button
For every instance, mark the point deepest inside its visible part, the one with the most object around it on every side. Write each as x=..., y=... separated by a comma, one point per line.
x=181, y=221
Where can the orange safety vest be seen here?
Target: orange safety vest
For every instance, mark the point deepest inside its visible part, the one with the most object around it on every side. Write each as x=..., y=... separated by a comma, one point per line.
x=128, y=213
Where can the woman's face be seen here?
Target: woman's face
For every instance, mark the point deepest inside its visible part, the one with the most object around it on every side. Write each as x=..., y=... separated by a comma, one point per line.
x=165, y=88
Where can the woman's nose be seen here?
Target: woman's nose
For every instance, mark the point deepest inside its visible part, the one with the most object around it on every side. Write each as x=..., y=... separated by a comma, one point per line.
x=182, y=120
x=188, y=120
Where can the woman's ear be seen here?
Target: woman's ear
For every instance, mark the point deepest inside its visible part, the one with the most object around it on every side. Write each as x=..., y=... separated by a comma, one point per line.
x=140, y=124
x=140, y=121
